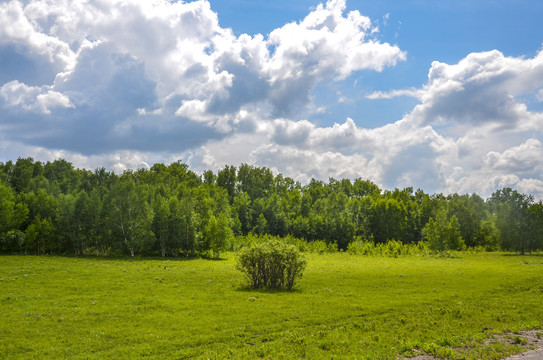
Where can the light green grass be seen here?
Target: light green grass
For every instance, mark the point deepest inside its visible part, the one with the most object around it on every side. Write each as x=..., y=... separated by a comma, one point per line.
x=345, y=306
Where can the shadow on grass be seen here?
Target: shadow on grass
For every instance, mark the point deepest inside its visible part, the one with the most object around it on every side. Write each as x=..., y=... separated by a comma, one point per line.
x=533, y=254
x=248, y=289
x=121, y=258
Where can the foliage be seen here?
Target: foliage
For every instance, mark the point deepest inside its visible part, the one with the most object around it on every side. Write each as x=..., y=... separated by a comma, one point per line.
x=388, y=220
x=512, y=212
x=168, y=210
x=271, y=265
x=131, y=215
x=12, y=240
x=217, y=233
x=391, y=248
x=442, y=233
x=315, y=246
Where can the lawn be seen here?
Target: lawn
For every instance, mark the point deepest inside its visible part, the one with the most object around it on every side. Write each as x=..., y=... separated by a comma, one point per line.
x=345, y=306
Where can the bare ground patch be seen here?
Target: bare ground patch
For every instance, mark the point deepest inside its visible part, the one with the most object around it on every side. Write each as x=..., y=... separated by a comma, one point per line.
x=515, y=345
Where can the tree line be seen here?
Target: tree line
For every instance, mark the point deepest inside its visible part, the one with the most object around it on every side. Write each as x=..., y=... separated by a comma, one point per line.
x=169, y=210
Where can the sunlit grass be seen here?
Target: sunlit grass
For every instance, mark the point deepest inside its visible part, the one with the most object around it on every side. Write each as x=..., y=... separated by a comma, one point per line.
x=345, y=306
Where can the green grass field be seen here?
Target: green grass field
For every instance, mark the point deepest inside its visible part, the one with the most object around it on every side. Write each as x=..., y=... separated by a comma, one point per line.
x=345, y=306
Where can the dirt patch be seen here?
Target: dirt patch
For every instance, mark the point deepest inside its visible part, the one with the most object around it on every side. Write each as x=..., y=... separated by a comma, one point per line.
x=529, y=339
x=528, y=342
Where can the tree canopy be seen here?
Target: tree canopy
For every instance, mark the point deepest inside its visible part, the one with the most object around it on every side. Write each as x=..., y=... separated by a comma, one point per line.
x=169, y=210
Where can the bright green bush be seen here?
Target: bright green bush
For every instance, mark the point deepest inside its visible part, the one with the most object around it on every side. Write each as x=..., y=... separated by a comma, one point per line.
x=271, y=265
x=391, y=248
x=315, y=246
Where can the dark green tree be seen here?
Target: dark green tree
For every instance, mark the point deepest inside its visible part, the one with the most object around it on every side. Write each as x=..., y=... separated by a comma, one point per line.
x=513, y=221
x=388, y=219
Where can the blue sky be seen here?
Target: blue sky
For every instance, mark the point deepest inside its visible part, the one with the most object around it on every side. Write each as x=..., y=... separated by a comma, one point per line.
x=442, y=95
x=427, y=30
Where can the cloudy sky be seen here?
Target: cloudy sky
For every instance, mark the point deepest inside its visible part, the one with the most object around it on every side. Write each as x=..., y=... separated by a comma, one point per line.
x=442, y=95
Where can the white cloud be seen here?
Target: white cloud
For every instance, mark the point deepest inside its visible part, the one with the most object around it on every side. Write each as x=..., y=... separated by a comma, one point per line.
x=526, y=157
x=471, y=132
x=376, y=95
x=307, y=164
x=132, y=71
x=391, y=155
x=476, y=104
x=481, y=88
x=327, y=43
x=132, y=82
x=32, y=98
x=52, y=99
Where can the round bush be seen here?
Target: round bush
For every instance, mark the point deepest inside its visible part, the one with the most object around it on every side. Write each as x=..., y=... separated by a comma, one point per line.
x=271, y=265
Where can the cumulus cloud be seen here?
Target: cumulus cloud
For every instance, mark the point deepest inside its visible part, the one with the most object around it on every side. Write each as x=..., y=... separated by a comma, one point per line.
x=472, y=132
x=398, y=154
x=483, y=88
x=525, y=157
x=160, y=75
x=19, y=29
x=477, y=105
x=325, y=44
x=16, y=95
x=125, y=83
x=307, y=164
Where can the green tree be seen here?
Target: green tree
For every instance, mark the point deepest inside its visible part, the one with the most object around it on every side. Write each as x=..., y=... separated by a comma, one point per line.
x=261, y=226
x=130, y=214
x=360, y=212
x=12, y=215
x=40, y=203
x=362, y=188
x=442, y=233
x=185, y=224
x=226, y=178
x=488, y=235
x=61, y=173
x=470, y=211
x=243, y=209
x=209, y=177
x=388, y=219
x=513, y=221
x=90, y=216
x=68, y=232
x=161, y=224
x=12, y=212
x=217, y=234
x=22, y=172
x=256, y=182
x=40, y=237
x=535, y=215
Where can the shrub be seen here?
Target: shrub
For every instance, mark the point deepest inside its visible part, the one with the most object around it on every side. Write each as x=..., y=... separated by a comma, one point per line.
x=391, y=248
x=11, y=240
x=271, y=265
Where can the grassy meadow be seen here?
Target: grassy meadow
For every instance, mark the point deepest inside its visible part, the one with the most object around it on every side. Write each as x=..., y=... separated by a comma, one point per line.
x=345, y=307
